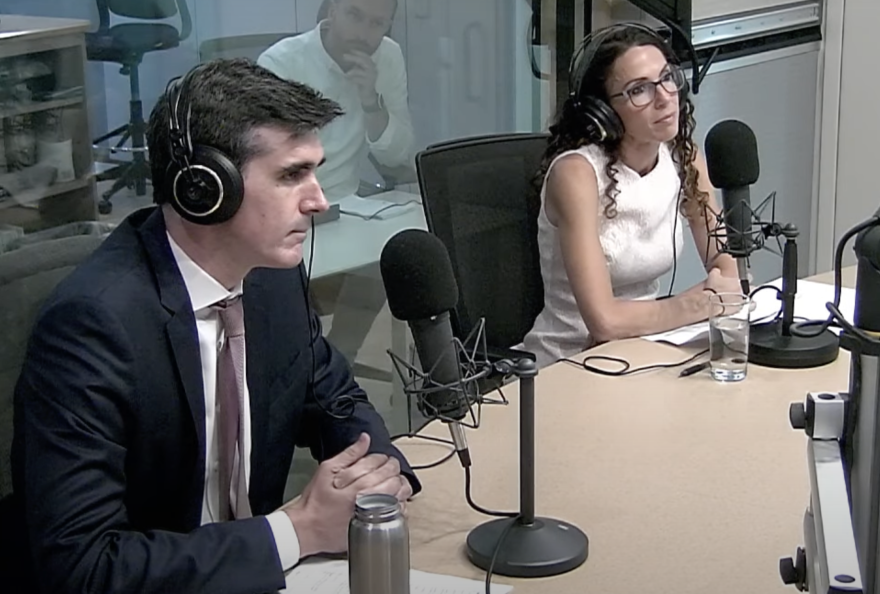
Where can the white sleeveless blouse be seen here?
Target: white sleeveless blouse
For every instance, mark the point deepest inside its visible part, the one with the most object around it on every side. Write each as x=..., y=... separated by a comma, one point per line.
x=638, y=246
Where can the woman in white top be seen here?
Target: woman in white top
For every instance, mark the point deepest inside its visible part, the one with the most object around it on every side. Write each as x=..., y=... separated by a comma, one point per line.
x=621, y=177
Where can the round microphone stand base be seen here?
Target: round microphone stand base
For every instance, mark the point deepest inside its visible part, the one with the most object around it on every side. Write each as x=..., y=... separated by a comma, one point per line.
x=543, y=548
x=769, y=348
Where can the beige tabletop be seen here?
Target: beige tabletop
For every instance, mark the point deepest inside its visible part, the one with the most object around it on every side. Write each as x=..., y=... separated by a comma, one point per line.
x=682, y=485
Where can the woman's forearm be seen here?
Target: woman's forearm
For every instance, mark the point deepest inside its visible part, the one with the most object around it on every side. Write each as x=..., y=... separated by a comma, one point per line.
x=633, y=318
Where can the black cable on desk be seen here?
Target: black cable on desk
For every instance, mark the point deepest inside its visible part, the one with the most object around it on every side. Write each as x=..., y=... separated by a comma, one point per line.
x=626, y=368
x=835, y=318
x=491, y=569
x=418, y=435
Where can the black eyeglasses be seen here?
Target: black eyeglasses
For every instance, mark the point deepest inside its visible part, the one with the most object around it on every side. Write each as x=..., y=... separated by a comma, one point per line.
x=642, y=93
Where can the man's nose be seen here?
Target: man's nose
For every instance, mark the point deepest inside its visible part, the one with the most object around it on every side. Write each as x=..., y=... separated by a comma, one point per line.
x=317, y=203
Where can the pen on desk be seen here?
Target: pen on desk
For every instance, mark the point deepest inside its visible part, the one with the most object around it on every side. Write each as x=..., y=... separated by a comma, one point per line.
x=694, y=369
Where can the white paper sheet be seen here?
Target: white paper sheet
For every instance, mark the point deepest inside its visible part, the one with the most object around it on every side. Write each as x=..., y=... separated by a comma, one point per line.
x=809, y=303
x=375, y=208
x=331, y=577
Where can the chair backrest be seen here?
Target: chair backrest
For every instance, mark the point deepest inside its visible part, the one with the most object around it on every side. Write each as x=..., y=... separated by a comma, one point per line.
x=480, y=200
x=27, y=276
x=239, y=46
x=151, y=10
x=144, y=9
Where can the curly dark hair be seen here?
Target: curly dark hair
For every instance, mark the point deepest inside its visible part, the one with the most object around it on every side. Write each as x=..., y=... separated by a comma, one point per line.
x=568, y=130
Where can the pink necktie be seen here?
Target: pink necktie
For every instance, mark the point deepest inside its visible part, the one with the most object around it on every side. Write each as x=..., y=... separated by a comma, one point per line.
x=230, y=397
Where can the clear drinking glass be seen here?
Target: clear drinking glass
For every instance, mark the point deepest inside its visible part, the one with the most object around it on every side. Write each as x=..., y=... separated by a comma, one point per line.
x=729, y=336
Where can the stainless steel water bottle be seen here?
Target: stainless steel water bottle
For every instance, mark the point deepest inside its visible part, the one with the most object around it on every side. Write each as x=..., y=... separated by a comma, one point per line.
x=378, y=547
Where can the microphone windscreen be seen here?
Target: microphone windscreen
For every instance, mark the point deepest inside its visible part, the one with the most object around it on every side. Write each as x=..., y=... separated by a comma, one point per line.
x=732, y=155
x=417, y=275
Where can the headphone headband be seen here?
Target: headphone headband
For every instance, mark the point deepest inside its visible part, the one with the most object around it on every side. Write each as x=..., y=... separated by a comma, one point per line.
x=177, y=96
x=203, y=185
x=601, y=123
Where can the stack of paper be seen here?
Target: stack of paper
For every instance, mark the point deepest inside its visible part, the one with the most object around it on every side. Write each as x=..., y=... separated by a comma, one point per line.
x=809, y=304
x=331, y=577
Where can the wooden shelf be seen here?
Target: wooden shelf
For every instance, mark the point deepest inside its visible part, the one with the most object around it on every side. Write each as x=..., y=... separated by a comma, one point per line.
x=38, y=106
x=31, y=198
x=58, y=44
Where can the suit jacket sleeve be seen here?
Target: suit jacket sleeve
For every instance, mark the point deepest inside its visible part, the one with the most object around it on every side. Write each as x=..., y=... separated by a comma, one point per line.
x=344, y=411
x=73, y=415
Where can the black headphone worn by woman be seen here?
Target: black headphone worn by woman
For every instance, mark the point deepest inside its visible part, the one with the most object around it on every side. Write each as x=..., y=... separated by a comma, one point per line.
x=202, y=183
x=602, y=123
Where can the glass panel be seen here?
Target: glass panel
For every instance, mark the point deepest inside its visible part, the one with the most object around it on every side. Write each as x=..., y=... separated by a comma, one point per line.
x=73, y=107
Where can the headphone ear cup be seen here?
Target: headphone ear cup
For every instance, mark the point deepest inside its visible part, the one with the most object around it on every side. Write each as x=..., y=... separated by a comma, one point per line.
x=209, y=191
x=602, y=122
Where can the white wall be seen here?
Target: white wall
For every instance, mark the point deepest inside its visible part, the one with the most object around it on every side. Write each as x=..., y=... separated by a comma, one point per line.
x=848, y=188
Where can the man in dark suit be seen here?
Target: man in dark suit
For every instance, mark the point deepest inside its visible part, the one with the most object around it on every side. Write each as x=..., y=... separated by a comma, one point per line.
x=130, y=474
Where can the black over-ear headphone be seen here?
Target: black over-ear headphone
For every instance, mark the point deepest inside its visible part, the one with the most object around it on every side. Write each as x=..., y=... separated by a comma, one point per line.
x=202, y=183
x=601, y=121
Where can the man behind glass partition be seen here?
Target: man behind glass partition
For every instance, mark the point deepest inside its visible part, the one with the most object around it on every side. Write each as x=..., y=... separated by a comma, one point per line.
x=348, y=58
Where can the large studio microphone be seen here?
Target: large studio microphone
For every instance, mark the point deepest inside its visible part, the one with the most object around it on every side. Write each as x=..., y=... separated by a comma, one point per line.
x=421, y=291
x=732, y=159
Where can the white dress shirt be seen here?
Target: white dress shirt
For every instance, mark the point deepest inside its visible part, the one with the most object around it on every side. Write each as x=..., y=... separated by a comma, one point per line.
x=304, y=59
x=204, y=291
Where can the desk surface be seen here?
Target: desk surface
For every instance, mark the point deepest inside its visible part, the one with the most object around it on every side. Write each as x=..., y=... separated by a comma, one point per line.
x=351, y=242
x=682, y=485
x=18, y=27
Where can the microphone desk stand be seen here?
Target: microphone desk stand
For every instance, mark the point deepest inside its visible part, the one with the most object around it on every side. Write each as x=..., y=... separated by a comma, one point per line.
x=527, y=545
x=772, y=344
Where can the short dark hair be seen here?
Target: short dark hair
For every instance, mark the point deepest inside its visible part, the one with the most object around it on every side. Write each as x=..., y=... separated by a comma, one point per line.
x=324, y=9
x=229, y=99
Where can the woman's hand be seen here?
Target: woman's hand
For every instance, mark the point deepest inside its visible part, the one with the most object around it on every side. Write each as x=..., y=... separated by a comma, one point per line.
x=718, y=283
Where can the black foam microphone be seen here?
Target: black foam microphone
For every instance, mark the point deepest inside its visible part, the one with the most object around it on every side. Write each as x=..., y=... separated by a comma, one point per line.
x=421, y=291
x=732, y=159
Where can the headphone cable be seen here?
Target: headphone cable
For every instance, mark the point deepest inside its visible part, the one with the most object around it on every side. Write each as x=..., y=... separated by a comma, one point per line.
x=343, y=400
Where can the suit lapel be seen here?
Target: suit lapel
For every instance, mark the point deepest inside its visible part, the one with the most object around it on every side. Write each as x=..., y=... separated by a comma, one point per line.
x=257, y=360
x=181, y=331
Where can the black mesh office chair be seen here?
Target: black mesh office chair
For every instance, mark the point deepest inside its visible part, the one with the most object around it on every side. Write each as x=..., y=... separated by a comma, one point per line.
x=480, y=200
x=126, y=44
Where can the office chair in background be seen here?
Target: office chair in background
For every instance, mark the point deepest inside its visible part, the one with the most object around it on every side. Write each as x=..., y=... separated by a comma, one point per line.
x=126, y=44
x=481, y=202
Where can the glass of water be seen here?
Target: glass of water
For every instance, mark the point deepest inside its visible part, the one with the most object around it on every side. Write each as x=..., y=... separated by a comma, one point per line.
x=729, y=336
